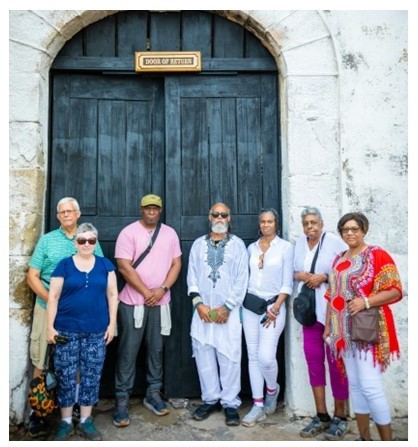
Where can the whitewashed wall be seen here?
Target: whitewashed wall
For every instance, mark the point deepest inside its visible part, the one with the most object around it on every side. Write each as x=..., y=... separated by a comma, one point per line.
x=343, y=80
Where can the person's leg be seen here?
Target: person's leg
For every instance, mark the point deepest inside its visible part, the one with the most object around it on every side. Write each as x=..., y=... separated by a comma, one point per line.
x=385, y=432
x=339, y=386
x=358, y=401
x=37, y=348
x=314, y=350
x=252, y=327
x=207, y=369
x=313, y=347
x=155, y=346
x=269, y=339
x=371, y=383
x=130, y=339
x=230, y=377
x=92, y=357
x=66, y=363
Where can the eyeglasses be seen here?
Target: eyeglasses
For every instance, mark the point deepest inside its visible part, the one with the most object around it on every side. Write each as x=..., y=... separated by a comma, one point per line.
x=354, y=230
x=83, y=240
x=261, y=261
x=216, y=214
x=64, y=212
x=306, y=223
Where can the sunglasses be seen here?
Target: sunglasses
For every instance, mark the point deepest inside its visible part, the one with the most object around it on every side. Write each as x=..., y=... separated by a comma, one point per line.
x=83, y=240
x=261, y=261
x=216, y=214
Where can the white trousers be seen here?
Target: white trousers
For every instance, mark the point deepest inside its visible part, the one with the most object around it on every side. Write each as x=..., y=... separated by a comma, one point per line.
x=365, y=381
x=262, y=350
x=224, y=385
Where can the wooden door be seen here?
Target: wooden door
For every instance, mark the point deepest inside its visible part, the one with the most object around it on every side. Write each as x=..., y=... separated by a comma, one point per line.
x=221, y=146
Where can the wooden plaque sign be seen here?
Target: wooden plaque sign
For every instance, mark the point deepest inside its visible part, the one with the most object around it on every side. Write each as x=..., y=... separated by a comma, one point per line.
x=147, y=61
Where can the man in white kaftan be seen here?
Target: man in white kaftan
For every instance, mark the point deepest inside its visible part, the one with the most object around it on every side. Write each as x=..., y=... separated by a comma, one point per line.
x=217, y=280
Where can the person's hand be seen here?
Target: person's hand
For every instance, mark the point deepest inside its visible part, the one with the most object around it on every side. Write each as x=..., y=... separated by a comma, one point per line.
x=50, y=336
x=223, y=314
x=271, y=316
x=110, y=333
x=203, y=311
x=149, y=298
x=356, y=305
x=157, y=294
x=326, y=333
x=314, y=280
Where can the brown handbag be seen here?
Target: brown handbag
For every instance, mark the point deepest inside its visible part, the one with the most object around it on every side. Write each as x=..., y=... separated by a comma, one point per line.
x=365, y=326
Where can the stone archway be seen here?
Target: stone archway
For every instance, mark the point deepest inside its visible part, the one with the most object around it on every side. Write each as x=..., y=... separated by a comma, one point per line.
x=303, y=48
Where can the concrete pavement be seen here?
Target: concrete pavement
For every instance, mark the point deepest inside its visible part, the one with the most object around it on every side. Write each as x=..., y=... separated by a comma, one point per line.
x=178, y=425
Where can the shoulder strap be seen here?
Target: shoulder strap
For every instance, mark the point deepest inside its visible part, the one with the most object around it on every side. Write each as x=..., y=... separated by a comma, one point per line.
x=316, y=254
x=48, y=355
x=148, y=249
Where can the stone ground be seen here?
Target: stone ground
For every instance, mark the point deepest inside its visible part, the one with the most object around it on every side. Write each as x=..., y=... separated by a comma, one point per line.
x=178, y=425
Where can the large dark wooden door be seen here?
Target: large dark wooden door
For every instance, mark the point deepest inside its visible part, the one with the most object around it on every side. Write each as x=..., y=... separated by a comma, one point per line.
x=192, y=138
x=221, y=145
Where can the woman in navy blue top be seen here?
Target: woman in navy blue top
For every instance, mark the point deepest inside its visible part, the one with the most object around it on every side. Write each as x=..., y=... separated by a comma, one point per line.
x=82, y=306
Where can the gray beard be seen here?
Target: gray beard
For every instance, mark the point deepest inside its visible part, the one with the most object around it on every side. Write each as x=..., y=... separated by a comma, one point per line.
x=219, y=228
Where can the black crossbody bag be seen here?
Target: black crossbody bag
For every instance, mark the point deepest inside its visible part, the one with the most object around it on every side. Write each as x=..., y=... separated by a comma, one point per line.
x=304, y=303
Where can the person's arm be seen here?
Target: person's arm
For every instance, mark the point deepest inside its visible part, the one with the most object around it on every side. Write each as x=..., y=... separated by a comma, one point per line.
x=112, y=300
x=33, y=278
x=52, y=307
x=170, y=279
x=360, y=303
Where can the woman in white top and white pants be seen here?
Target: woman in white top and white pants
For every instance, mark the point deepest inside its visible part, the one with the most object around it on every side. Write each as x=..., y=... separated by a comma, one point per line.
x=271, y=276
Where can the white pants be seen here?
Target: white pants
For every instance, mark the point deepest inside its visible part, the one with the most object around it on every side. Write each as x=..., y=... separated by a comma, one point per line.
x=262, y=350
x=366, y=386
x=225, y=385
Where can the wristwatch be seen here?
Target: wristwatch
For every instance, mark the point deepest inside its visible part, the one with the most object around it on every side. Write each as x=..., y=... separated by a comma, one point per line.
x=165, y=288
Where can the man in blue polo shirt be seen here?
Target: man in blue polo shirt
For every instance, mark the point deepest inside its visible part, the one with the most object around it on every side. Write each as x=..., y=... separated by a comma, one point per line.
x=50, y=249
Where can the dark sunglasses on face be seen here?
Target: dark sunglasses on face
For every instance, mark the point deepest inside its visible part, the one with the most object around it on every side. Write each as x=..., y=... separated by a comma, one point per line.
x=83, y=240
x=216, y=214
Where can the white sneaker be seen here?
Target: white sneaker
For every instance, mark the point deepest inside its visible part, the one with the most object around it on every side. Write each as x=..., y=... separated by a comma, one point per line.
x=256, y=414
x=270, y=402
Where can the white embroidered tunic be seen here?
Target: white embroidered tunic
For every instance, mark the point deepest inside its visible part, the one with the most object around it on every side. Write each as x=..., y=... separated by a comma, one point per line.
x=219, y=273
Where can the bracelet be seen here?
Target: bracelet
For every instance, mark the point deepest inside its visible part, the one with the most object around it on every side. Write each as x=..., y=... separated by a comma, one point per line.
x=227, y=308
x=327, y=276
x=165, y=288
x=196, y=301
x=366, y=303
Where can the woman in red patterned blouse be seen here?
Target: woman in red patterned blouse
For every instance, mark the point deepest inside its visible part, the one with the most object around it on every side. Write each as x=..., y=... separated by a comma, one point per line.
x=363, y=276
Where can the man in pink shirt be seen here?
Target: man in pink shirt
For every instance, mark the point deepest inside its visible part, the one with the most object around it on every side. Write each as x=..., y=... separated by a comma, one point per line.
x=144, y=304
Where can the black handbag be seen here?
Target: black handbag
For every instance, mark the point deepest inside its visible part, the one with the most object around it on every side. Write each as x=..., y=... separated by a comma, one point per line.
x=304, y=303
x=120, y=279
x=256, y=304
x=304, y=306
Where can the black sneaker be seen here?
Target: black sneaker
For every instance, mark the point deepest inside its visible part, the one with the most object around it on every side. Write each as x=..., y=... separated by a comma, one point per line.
x=231, y=416
x=205, y=410
x=37, y=426
x=76, y=412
